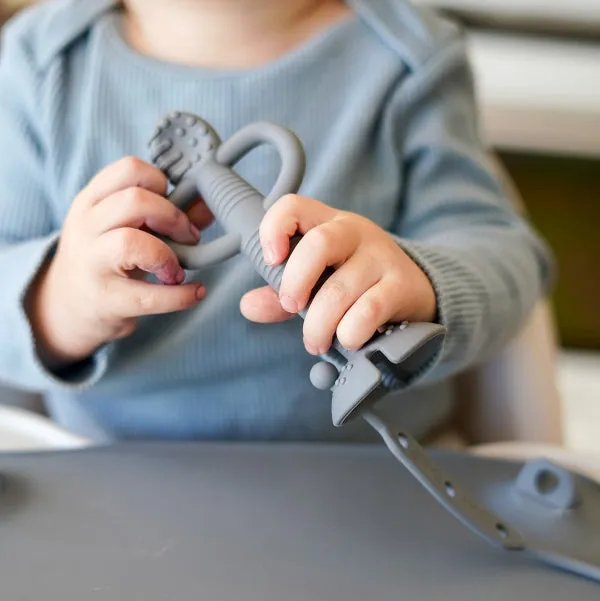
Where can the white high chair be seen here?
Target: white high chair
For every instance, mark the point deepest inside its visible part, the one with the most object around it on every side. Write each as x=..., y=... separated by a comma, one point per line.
x=515, y=397
x=22, y=430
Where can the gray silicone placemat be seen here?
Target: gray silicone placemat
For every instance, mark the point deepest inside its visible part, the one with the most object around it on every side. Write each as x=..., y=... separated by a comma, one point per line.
x=215, y=522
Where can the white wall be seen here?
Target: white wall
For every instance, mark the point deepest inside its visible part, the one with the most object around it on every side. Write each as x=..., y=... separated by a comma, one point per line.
x=538, y=94
x=565, y=11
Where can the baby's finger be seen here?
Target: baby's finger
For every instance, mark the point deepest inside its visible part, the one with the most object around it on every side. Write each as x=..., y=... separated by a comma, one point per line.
x=124, y=250
x=371, y=311
x=290, y=215
x=200, y=215
x=336, y=296
x=324, y=246
x=129, y=172
x=136, y=208
x=262, y=306
x=132, y=298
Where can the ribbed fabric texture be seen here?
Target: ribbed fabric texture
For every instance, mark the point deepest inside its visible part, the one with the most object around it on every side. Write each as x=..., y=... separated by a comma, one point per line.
x=383, y=103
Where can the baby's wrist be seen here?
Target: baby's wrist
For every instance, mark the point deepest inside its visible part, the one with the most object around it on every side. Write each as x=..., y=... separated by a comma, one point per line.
x=430, y=302
x=59, y=337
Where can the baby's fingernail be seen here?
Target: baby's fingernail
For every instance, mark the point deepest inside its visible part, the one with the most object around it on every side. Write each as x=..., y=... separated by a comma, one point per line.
x=195, y=231
x=311, y=350
x=180, y=275
x=289, y=304
x=201, y=293
x=169, y=274
x=268, y=254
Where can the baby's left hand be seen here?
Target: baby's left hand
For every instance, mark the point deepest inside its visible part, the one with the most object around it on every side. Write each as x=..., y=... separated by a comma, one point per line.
x=375, y=282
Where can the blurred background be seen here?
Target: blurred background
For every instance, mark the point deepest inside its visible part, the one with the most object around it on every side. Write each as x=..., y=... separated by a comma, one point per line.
x=537, y=67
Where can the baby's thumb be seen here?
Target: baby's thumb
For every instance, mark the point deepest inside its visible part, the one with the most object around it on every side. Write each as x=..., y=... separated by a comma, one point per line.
x=200, y=215
x=290, y=215
x=262, y=306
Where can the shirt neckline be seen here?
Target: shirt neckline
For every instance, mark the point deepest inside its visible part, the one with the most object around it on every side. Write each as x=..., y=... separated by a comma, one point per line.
x=301, y=54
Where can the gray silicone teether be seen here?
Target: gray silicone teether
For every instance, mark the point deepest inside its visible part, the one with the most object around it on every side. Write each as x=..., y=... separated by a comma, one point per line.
x=190, y=153
x=192, y=156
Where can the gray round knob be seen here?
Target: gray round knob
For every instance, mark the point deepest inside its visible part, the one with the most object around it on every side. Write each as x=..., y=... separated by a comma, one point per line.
x=323, y=375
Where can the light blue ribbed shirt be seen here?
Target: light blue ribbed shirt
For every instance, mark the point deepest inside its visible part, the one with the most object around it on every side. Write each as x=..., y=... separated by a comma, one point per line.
x=384, y=105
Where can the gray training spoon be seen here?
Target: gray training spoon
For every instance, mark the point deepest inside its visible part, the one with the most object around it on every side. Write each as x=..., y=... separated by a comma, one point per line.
x=190, y=153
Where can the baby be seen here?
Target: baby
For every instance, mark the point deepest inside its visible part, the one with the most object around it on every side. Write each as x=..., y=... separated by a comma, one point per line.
x=399, y=196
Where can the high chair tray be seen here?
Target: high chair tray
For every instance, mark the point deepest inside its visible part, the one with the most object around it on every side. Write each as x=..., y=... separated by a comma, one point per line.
x=216, y=522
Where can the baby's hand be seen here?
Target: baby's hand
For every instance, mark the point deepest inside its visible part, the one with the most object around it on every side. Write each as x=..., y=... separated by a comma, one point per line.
x=375, y=282
x=93, y=291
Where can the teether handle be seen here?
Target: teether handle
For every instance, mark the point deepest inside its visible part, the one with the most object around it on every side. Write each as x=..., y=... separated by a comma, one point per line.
x=284, y=141
x=239, y=209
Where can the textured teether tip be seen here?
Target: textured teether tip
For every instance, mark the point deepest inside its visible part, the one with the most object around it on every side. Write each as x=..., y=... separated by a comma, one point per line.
x=184, y=141
x=323, y=375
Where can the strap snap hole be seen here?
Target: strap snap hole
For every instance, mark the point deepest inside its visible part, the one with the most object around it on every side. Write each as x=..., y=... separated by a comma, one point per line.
x=450, y=489
x=546, y=482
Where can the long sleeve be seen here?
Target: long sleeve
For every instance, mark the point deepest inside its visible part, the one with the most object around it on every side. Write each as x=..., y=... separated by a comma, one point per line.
x=28, y=231
x=487, y=265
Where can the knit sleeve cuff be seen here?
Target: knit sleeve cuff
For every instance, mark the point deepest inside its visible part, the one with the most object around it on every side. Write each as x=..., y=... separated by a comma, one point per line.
x=21, y=363
x=462, y=306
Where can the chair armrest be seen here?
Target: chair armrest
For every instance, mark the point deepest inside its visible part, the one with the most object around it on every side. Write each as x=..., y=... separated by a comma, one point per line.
x=515, y=397
x=10, y=397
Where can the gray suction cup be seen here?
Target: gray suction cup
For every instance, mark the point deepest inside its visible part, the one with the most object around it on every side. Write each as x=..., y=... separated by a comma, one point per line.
x=556, y=512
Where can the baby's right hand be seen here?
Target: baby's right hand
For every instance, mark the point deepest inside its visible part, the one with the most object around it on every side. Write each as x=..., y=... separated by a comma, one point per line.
x=91, y=292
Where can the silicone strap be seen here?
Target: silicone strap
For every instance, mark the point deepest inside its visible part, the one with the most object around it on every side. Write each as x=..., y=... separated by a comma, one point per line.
x=459, y=503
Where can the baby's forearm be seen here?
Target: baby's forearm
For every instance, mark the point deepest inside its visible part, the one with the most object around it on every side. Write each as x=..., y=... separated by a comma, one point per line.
x=488, y=280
